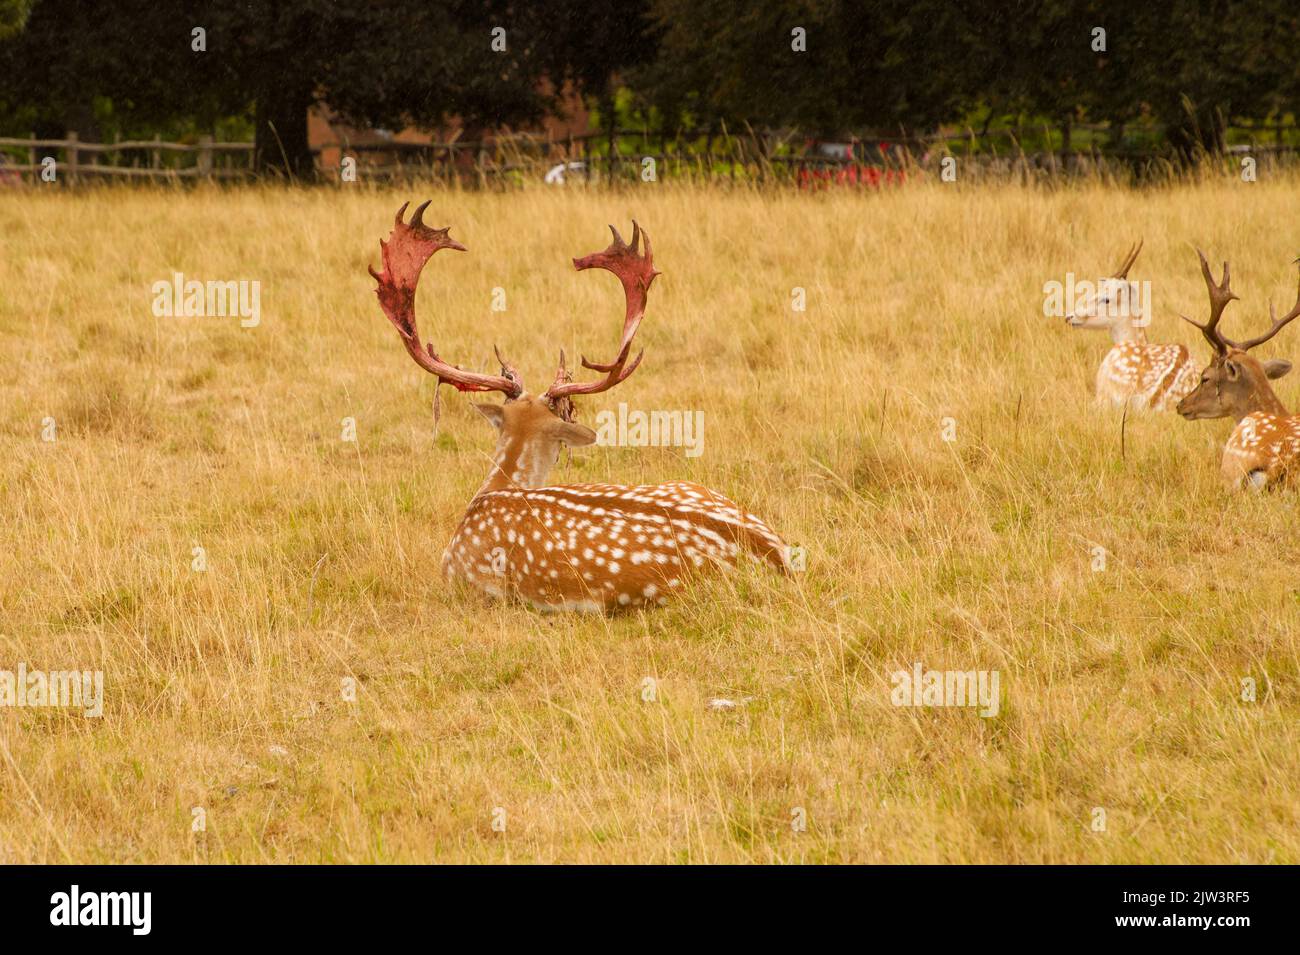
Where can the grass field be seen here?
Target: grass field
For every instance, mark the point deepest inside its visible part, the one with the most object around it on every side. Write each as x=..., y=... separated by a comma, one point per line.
x=225, y=689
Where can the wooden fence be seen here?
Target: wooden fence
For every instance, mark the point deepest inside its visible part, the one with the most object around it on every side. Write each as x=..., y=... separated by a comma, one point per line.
x=86, y=159
x=612, y=156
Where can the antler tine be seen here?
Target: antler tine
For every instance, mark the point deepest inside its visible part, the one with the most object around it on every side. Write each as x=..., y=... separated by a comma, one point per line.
x=636, y=271
x=417, y=218
x=1129, y=259
x=1278, y=324
x=1220, y=296
x=636, y=297
x=562, y=375
x=409, y=247
x=561, y=393
x=562, y=405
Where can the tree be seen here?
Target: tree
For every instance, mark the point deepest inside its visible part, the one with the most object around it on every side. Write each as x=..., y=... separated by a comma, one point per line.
x=825, y=66
x=13, y=16
x=821, y=66
x=402, y=62
x=65, y=65
x=591, y=42
x=406, y=62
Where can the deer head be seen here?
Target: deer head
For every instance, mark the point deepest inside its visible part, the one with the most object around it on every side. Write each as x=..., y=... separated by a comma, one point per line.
x=1234, y=383
x=1113, y=306
x=531, y=429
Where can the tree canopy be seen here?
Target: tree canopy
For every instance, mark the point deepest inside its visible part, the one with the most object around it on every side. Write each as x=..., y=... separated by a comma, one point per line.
x=824, y=66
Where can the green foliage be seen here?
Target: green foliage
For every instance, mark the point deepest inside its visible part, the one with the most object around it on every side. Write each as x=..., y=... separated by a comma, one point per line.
x=919, y=64
x=825, y=67
x=13, y=16
x=416, y=63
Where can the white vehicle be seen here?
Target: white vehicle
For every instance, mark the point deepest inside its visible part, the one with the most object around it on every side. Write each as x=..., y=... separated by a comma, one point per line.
x=555, y=176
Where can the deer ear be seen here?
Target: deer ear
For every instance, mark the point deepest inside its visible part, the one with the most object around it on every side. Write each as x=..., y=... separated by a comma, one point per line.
x=1232, y=369
x=494, y=413
x=574, y=435
x=1276, y=367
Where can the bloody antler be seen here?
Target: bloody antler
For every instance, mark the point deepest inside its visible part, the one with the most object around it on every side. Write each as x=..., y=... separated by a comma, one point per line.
x=636, y=271
x=408, y=247
x=1220, y=296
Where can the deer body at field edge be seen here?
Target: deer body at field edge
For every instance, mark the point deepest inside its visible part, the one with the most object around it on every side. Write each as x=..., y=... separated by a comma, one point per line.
x=1264, y=447
x=1134, y=372
x=587, y=547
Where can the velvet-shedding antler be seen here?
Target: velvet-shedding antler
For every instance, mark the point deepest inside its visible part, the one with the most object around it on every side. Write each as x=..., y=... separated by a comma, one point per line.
x=404, y=254
x=636, y=271
x=1122, y=271
x=1220, y=296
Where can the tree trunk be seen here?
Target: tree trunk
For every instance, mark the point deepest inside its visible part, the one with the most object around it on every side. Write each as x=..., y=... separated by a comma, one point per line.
x=611, y=127
x=49, y=129
x=280, y=144
x=82, y=119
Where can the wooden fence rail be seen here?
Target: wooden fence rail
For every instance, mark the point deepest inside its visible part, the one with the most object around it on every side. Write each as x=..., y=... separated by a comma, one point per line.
x=73, y=166
x=710, y=153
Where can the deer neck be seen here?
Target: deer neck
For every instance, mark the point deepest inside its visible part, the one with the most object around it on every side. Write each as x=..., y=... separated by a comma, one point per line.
x=520, y=460
x=1127, y=332
x=1260, y=400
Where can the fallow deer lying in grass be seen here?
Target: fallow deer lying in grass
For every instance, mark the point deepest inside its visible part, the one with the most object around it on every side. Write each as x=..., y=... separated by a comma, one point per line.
x=587, y=547
x=1134, y=371
x=1265, y=444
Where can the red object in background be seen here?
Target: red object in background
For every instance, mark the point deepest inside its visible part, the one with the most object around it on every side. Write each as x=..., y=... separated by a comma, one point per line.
x=8, y=175
x=853, y=174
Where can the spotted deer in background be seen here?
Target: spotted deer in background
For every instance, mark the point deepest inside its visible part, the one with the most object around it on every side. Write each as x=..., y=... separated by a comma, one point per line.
x=591, y=547
x=1134, y=371
x=1263, y=447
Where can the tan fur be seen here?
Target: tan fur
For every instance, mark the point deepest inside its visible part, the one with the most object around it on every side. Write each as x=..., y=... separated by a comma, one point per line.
x=1134, y=372
x=1263, y=447
x=1154, y=377
x=592, y=547
x=579, y=547
x=1262, y=443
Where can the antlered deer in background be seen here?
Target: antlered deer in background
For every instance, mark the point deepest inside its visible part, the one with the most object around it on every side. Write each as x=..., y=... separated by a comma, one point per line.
x=1147, y=375
x=1263, y=447
x=590, y=547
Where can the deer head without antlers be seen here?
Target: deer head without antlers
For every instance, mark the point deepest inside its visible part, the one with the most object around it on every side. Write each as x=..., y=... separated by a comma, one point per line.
x=1235, y=383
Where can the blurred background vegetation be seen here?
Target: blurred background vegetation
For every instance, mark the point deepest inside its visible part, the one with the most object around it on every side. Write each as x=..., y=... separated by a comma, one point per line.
x=1179, y=80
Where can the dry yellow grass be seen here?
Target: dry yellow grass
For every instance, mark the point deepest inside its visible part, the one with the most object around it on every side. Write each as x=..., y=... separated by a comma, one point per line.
x=1120, y=689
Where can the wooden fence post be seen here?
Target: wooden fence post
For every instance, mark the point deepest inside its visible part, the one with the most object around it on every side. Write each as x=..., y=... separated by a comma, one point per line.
x=155, y=161
x=205, y=156
x=612, y=144
x=70, y=152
